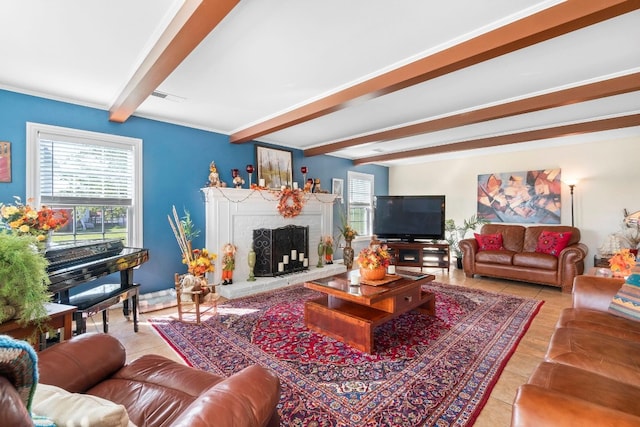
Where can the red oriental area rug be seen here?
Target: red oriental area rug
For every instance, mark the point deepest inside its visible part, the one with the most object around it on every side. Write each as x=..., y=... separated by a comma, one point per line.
x=426, y=370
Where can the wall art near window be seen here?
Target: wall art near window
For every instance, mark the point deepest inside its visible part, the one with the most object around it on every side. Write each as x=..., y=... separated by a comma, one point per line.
x=274, y=166
x=337, y=187
x=520, y=197
x=5, y=162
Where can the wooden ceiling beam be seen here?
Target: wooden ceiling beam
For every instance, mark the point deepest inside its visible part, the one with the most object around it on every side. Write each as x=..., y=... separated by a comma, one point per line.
x=561, y=19
x=514, y=138
x=193, y=22
x=587, y=92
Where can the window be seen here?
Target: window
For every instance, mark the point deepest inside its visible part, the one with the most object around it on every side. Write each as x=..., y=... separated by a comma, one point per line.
x=96, y=177
x=360, y=188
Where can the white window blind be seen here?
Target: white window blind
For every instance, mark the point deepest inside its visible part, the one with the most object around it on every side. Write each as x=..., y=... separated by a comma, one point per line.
x=360, y=188
x=77, y=171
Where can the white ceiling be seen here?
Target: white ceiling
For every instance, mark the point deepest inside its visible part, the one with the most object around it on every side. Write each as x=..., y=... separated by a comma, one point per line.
x=269, y=57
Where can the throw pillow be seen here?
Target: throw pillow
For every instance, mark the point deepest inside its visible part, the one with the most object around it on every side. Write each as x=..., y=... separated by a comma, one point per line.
x=626, y=303
x=489, y=242
x=75, y=409
x=551, y=242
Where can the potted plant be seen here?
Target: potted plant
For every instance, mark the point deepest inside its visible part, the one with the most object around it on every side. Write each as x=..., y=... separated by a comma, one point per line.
x=456, y=233
x=23, y=279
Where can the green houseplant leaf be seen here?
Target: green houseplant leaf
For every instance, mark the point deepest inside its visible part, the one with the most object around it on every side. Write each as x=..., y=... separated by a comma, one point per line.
x=456, y=233
x=24, y=277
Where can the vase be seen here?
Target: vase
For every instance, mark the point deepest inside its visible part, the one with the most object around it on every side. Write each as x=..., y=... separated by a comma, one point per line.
x=320, y=254
x=377, y=273
x=347, y=254
x=251, y=260
x=622, y=273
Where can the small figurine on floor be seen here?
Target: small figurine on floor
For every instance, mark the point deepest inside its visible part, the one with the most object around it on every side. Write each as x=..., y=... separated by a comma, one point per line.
x=328, y=250
x=228, y=263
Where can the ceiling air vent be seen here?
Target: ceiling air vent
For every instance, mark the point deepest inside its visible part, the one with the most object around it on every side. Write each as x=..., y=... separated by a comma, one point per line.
x=167, y=96
x=159, y=94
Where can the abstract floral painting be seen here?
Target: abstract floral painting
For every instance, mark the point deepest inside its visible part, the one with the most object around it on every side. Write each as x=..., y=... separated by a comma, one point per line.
x=520, y=197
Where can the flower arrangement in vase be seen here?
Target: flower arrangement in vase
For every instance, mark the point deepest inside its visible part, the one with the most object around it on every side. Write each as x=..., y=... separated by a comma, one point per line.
x=22, y=219
x=622, y=262
x=200, y=262
x=373, y=262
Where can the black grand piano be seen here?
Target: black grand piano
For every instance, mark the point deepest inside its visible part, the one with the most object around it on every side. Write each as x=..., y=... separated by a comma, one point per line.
x=74, y=264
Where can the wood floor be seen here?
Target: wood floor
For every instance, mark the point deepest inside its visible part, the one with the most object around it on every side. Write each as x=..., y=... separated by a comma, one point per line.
x=497, y=411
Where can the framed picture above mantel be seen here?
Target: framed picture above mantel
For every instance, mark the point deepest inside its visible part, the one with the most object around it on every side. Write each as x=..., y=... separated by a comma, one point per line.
x=275, y=166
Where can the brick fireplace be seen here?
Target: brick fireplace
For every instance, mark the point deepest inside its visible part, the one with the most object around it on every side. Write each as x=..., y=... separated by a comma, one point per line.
x=233, y=214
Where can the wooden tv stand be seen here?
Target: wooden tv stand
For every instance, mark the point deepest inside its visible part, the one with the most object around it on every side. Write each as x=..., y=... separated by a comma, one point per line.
x=420, y=254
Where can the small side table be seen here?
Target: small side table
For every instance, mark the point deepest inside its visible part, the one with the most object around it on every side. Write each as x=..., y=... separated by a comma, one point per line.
x=60, y=317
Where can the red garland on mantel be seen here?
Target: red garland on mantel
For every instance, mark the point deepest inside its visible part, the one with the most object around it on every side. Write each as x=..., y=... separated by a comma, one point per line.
x=291, y=202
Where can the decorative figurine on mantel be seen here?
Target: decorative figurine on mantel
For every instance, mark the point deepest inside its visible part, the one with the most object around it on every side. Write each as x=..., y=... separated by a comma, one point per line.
x=308, y=186
x=228, y=263
x=214, y=176
x=238, y=182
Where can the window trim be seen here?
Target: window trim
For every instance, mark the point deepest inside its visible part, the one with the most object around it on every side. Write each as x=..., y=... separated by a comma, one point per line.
x=365, y=177
x=33, y=169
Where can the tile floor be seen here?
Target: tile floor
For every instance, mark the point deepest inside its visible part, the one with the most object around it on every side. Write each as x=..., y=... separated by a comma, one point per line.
x=497, y=411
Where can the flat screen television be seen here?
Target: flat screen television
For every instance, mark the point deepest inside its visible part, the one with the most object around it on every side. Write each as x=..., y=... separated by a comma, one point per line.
x=409, y=218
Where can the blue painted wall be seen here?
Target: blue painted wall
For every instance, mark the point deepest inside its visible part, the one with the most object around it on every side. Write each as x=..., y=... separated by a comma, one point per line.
x=176, y=165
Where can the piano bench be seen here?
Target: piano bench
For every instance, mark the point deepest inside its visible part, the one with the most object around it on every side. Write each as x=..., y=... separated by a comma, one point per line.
x=100, y=299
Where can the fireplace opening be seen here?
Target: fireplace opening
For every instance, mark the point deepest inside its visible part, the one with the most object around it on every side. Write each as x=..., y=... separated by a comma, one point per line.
x=281, y=250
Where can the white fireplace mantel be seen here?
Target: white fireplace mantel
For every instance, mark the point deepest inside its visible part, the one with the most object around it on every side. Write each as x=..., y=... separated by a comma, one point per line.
x=232, y=215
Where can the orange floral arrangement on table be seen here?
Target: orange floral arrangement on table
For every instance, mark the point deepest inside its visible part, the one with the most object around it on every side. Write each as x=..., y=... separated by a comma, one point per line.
x=200, y=262
x=373, y=257
x=622, y=262
x=26, y=220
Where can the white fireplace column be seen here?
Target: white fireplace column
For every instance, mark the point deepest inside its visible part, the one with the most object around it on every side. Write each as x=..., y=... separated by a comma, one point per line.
x=232, y=215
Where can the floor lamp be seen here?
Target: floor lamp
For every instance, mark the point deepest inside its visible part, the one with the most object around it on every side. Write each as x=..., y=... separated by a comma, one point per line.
x=571, y=186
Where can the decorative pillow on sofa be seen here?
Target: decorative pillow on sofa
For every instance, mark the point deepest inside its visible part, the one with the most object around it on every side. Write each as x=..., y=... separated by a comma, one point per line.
x=551, y=242
x=489, y=242
x=75, y=409
x=626, y=303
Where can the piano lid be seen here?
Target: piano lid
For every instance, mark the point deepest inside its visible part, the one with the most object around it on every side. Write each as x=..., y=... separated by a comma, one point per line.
x=67, y=254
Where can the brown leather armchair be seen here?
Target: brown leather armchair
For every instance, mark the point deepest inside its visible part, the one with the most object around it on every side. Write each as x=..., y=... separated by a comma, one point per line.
x=156, y=391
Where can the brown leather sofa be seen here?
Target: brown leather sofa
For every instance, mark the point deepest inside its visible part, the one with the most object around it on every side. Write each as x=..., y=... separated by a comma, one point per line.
x=591, y=372
x=155, y=391
x=518, y=260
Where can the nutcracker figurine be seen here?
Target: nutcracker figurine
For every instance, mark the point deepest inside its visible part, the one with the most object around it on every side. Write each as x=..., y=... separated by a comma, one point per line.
x=228, y=263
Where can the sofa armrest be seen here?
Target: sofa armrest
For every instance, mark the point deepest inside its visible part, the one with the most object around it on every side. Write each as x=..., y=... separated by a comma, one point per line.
x=80, y=363
x=14, y=412
x=595, y=292
x=573, y=253
x=571, y=264
x=535, y=406
x=469, y=248
x=248, y=398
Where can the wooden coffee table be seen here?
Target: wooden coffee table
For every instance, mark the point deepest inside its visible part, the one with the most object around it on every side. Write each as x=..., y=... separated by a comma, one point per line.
x=351, y=313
